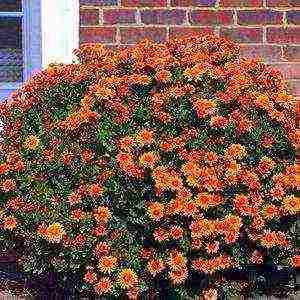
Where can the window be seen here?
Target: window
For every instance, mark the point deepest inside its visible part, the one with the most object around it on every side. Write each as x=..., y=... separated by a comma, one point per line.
x=20, y=42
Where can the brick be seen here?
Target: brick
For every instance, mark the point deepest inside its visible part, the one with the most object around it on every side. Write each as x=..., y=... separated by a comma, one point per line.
x=185, y=3
x=243, y=34
x=294, y=87
x=209, y=17
x=119, y=16
x=268, y=53
x=97, y=34
x=132, y=35
x=99, y=2
x=288, y=35
x=163, y=16
x=293, y=17
x=241, y=3
x=291, y=53
x=283, y=3
x=177, y=32
x=259, y=17
x=144, y=3
x=290, y=71
x=89, y=17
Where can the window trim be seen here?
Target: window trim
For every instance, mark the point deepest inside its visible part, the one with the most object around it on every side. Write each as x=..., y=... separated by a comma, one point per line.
x=54, y=13
x=31, y=41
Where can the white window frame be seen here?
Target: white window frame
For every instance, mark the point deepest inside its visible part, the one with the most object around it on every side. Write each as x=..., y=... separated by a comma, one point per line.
x=60, y=30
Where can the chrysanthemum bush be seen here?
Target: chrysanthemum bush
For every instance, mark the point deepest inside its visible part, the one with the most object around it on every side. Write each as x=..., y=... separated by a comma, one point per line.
x=152, y=168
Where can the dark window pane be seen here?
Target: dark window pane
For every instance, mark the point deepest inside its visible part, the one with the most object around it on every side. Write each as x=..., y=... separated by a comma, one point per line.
x=11, y=56
x=11, y=5
x=11, y=74
x=10, y=32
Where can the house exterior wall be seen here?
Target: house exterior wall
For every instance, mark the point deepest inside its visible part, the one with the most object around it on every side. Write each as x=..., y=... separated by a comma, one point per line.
x=266, y=28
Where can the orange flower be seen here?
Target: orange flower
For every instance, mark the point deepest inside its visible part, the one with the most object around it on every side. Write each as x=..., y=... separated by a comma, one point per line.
x=176, y=260
x=176, y=232
x=145, y=136
x=163, y=75
x=67, y=157
x=212, y=247
x=291, y=204
x=148, y=159
x=127, y=278
x=271, y=239
x=4, y=167
x=107, y=264
x=102, y=214
x=272, y=211
x=178, y=276
x=126, y=143
x=10, y=223
x=235, y=151
x=103, y=286
x=102, y=248
x=156, y=211
x=87, y=155
x=90, y=277
x=74, y=198
x=32, y=142
x=155, y=266
x=77, y=214
x=295, y=261
x=263, y=101
x=8, y=185
x=218, y=122
x=204, y=107
x=160, y=235
x=95, y=190
x=55, y=232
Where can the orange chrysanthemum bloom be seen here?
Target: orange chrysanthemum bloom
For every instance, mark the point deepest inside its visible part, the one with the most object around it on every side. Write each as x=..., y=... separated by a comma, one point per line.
x=145, y=136
x=149, y=159
x=204, y=107
x=163, y=75
x=263, y=101
x=4, y=167
x=126, y=143
x=102, y=248
x=127, y=278
x=31, y=142
x=212, y=247
x=176, y=260
x=103, y=286
x=95, y=190
x=295, y=261
x=176, y=232
x=10, y=223
x=77, y=214
x=156, y=211
x=291, y=204
x=107, y=263
x=272, y=211
x=8, y=185
x=155, y=266
x=55, y=232
x=74, y=198
x=218, y=122
x=87, y=155
x=271, y=239
x=67, y=157
x=102, y=214
x=19, y=166
x=235, y=151
x=179, y=276
x=90, y=277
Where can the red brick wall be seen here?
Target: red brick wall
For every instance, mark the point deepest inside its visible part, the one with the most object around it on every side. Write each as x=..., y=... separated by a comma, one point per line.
x=266, y=28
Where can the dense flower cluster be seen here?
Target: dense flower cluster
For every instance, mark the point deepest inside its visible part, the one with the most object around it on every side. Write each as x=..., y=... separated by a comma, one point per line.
x=151, y=164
